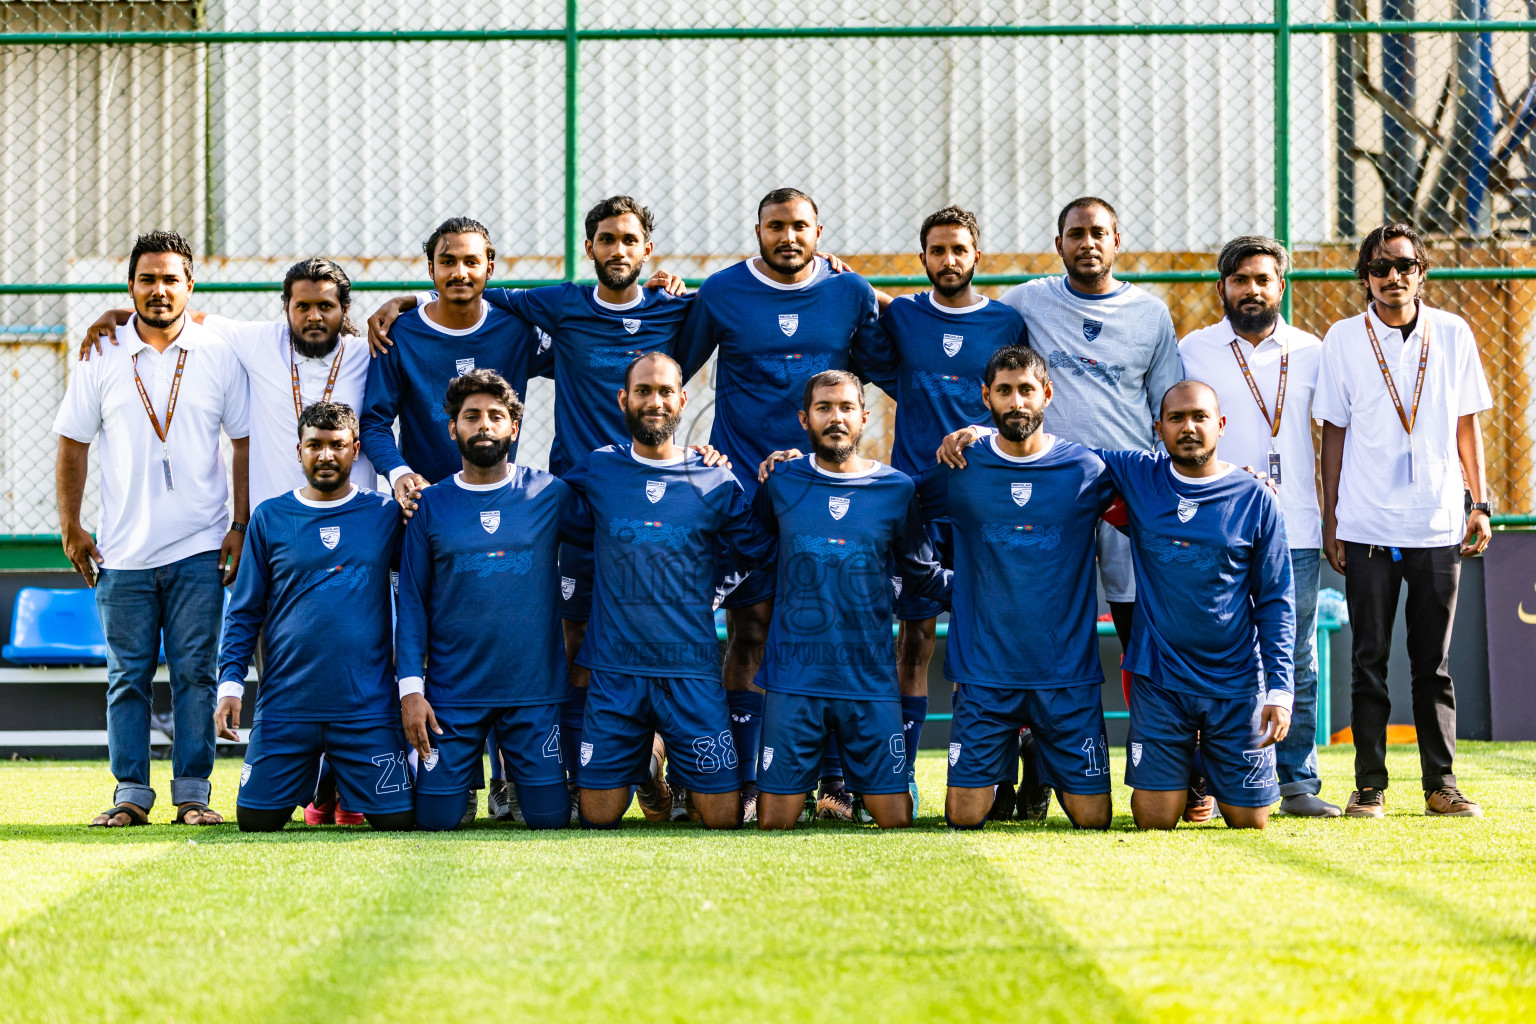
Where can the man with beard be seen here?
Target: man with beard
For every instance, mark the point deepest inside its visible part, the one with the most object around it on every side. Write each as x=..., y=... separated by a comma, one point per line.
x=937, y=347
x=660, y=515
x=1216, y=624
x=315, y=585
x=777, y=320
x=1264, y=372
x=1025, y=513
x=166, y=541
x=478, y=653
x=1112, y=353
x=841, y=520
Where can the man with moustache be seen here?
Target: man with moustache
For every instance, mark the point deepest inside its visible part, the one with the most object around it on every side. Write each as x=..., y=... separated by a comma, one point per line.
x=660, y=516
x=315, y=585
x=1264, y=372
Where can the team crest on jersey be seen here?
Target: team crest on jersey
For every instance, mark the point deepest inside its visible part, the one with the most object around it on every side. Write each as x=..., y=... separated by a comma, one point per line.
x=330, y=536
x=952, y=343
x=430, y=761
x=567, y=587
x=463, y=365
x=631, y=325
x=954, y=753
x=1092, y=328
x=245, y=774
x=490, y=520
x=654, y=489
x=789, y=323
x=586, y=752
x=896, y=585
x=1135, y=753
x=838, y=506
x=1021, y=493
x=767, y=757
x=1187, y=509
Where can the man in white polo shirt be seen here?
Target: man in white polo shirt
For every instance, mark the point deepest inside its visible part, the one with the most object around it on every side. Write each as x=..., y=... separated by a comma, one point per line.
x=1264, y=372
x=1399, y=392
x=166, y=542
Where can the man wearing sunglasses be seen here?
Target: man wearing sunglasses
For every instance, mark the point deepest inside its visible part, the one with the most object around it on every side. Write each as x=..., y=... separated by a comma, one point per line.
x=1398, y=393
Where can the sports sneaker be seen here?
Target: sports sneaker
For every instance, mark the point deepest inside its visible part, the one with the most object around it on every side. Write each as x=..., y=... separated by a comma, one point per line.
x=325, y=814
x=916, y=797
x=860, y=815
x=1033, y=801
x=1309, y=805
x=573, y=793
x=1448, y=802
x=1002, y=802
x=1199, y=806
x=471, y=808
x=749, y=801
x=834, y=802
x=808, y=812
x=654, y=795
x=344, y=817
x=1366, y=803
x=498, y=802
x=680, y=804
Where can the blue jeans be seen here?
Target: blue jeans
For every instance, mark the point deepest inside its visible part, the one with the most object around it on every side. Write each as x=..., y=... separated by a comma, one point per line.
x=1296, y=755
x=186, y=600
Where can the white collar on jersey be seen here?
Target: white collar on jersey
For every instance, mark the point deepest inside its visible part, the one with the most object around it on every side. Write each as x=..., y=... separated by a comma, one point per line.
x=457, y=332
x=952, y=311
x=617, y=307
x=1200, y=481
x=337, y=503
x=458, y=478
x=659, y=463
x=874, y=464
x=1050, y=442
x=821, y=268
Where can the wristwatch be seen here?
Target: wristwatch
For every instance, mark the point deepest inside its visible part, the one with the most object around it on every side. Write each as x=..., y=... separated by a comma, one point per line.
x=1481, y=506
x=237, y=527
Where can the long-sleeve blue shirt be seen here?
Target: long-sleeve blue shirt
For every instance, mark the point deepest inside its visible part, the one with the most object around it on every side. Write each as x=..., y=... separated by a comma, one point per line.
x=594, y=341
x=410, y=380
x=841, y=539
x=933, y=363
x=315, y=579
x=480, y=592
x=771, y=339
x=1025, y=529
x=1215, y=600
x=658, y=527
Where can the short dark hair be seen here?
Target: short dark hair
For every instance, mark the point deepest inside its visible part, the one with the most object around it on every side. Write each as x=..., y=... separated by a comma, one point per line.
x=832, y=379
x=481, y=382
x=784, y=195
x=329, y=416
x=642, y=357
x=1381, y=236
x=458, y=226
x=617, y=206
x=320, y=269
x=951, y=215
x=1188, y=382
x=1084, y=203
x=159, y=241
x=1018, y=357
x=1245, y=247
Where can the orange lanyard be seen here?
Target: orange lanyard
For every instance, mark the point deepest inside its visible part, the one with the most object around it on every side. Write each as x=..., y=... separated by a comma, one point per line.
x=1253, y=386
x=170, y=406
x=330, y=382
x=1407, y=418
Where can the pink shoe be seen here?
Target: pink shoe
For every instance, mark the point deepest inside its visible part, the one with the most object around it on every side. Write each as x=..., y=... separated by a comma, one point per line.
x=347, y=817
x=322, y=815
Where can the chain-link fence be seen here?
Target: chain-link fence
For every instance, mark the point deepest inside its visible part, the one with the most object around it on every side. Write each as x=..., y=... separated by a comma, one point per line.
x=269, y=130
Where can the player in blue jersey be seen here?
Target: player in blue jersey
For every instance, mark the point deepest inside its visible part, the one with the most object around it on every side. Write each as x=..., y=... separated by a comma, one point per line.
x=659, y=516
x=842, y=521
x=775, y=320
x=1025, y=514
x=1215, y=620
x=937, y=344
x=478, y=634
x=315, y=585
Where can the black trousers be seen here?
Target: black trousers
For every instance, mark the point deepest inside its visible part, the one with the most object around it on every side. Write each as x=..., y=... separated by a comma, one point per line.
x=1371, y=586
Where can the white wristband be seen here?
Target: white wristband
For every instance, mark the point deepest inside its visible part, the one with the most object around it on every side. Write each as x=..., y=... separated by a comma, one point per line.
x=412, y=684
x=398, y=472
x=230, y=688
x=1280, y=699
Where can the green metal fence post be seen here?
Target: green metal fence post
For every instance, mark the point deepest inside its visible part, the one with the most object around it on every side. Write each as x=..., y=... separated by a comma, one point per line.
x=572, y=82
x=1283, y=134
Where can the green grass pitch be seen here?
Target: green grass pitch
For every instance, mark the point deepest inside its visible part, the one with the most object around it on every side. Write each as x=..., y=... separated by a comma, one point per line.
x=1409, y=919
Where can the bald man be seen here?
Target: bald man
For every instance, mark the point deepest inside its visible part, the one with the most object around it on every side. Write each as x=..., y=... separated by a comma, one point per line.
x=1215, y=619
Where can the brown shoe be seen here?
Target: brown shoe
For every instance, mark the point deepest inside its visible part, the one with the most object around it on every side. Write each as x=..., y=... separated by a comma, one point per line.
x=1366, y=803
x=1199, y=806
x=654, y=795
x=1448, y=802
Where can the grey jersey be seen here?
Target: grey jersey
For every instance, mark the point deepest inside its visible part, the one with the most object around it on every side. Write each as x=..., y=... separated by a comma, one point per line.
x=1111, y=358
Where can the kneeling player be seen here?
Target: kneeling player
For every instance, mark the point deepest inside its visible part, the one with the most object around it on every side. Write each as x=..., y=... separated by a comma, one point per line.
x=1025, y=514
x=314, y=582
x=659, y=515
x=1215, y=620
x=478, y=636
x=830, y=668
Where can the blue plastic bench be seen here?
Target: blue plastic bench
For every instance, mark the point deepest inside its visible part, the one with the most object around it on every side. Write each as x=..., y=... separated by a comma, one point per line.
x=56, y=627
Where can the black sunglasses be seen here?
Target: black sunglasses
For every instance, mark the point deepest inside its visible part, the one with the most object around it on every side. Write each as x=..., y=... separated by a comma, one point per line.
x=1381, y=268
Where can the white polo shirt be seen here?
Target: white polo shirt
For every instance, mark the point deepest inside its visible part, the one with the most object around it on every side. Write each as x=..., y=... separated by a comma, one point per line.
x=1207, y=356
x=143, y=525
x=262, y=348
x=1378, y=501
